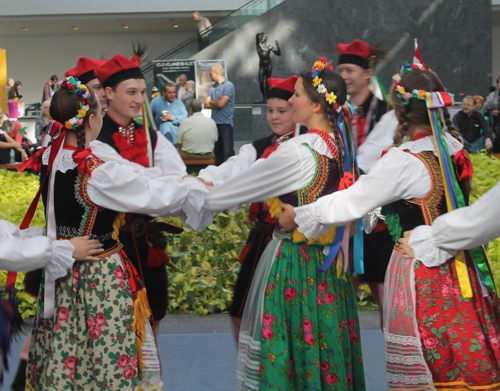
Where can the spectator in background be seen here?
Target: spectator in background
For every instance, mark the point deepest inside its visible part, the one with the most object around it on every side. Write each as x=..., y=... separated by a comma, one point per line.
x=168, y=112
x=491, y=109
x=179, y=87
x=49, y=88
x=188, y=94
x=220, y=99
x=479, y=103
x=7, y=144
x=41, y=122
x=155, y=93
x=197, y=135
x=14, y=98
x=473, y=127
x=3, y=117
x=203, y=28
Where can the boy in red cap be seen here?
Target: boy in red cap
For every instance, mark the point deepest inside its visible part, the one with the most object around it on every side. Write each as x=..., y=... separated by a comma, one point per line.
x=85, y=72
x=144, y=150
x=356, y=61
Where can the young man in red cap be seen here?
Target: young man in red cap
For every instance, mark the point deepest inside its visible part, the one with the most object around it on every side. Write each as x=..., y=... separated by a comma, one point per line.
x=142, y=149
x=355, y=65
x=85, y=72
x=279, y=117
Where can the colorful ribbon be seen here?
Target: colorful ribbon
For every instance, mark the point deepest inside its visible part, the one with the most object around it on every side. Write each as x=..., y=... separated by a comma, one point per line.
x=453, y=194
x=351, y=174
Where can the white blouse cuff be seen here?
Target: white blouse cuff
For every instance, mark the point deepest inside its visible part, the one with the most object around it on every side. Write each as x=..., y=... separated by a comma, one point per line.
x=31, y=232
x=307, y=223
x=62, y=261
x=371, y=220
x=196, y=216
x=152, y=172
x=424, y=248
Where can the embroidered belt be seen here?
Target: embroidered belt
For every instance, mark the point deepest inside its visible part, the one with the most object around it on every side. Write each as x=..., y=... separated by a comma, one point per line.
x=64, y=232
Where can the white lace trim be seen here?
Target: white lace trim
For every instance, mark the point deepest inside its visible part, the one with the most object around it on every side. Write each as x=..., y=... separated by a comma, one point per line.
x=66, y=163
x=427, y=144
x=63, y=260
x=407, y=360
x=196, y=216
x=398, y=379
x=401, y=340
x=315, y=142
x=424, y=249
x=308, y=224
x=248, y=363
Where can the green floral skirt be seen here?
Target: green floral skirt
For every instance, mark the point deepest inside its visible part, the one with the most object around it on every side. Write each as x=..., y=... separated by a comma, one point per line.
x=90, y=342
x=304, y=332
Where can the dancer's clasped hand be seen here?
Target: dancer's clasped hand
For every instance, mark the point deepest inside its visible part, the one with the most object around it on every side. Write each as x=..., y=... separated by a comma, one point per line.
x=286, y=218
x=85, y=248
x=405, y=248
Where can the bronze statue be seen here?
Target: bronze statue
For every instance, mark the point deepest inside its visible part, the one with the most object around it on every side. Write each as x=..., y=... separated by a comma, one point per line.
x=265, y=65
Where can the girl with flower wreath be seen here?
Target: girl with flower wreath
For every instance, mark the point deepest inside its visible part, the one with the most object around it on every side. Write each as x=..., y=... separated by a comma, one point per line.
x=441, y=323
x=91, y=329
x=300, y=327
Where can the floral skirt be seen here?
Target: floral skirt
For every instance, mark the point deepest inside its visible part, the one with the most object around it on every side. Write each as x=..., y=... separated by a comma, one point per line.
x=90, y=342
x=304, y=331
x=436, y=338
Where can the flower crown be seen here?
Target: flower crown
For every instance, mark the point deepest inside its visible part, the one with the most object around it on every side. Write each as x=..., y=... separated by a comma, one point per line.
x=316, y=70
x=402, y=93
x=74, y=85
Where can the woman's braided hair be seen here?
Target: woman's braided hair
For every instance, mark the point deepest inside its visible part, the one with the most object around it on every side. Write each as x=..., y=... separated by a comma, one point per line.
x=414, y=112
x=65, y=105
x=336, y=84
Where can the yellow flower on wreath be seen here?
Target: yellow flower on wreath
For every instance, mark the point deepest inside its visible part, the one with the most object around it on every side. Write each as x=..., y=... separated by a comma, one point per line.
x=317, y=81
x=319, y=65
x=82, y=113
x=331, y=98
x=83, y=87
x=68, y=125
x=422, y=94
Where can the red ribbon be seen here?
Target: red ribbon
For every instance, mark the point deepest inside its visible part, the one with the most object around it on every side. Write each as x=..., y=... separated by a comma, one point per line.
x=80, y=158
x=463, y=165
x=56, y=145
x=35, y=161
x=346, y=181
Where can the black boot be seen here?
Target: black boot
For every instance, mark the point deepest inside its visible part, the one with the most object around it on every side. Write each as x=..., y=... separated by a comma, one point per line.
x=19, y=383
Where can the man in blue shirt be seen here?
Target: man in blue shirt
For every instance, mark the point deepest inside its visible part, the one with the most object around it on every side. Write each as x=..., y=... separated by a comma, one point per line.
x=168, y=112
x=220, y=99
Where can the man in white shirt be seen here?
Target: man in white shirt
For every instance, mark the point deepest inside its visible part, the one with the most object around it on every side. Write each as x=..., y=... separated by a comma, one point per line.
x=179, y=87
x=197, y=135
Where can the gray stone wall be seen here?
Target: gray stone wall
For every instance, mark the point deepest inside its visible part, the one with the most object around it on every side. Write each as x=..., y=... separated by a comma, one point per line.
x=454, y=38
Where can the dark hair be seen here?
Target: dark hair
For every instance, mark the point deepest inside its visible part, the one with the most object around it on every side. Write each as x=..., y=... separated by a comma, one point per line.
x=415, y=112
x=54, y=78
x=492, y=89
x=65, y=105
x=333, y=83
x=140, y=49
x=168, y=85
x=470, y=97
x=195, y=106
x=17, y=84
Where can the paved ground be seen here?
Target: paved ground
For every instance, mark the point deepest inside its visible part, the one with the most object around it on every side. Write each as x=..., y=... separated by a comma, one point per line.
x=199, y=353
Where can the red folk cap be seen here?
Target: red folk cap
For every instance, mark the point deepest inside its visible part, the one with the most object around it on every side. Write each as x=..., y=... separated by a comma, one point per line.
x=84, y=70
x=118, y=69
x=357, y=52
x=281, y=88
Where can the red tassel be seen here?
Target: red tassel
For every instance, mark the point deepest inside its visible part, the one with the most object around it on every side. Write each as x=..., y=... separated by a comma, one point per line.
x=157, y=257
